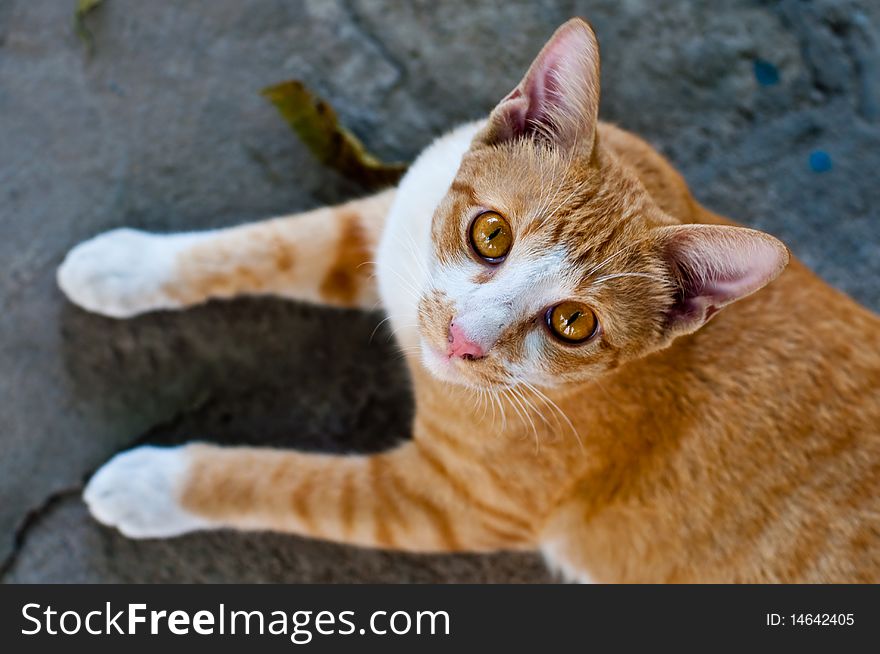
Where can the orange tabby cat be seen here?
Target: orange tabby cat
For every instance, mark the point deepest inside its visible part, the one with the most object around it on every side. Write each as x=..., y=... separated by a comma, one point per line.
x=552, y=281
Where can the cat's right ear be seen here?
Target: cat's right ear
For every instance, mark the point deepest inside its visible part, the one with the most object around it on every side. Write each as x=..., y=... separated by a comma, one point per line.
x=558, y=99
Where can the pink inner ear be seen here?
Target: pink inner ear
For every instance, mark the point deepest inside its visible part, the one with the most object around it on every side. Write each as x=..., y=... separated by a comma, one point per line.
x=544, y=93
x=560, y=91
x=718, y=265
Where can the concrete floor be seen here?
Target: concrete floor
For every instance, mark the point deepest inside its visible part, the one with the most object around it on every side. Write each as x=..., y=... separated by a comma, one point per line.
x=163, y=128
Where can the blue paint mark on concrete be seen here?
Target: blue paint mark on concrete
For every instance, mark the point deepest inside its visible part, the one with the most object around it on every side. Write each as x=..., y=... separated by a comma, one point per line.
x=820, y=161
x=766, y=73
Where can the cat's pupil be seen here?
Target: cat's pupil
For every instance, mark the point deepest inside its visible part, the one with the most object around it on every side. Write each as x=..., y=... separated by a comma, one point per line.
x=494, y=234
x=572, y=318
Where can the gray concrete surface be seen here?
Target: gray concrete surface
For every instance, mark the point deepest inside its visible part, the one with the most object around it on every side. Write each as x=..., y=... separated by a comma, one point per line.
x=163, y=128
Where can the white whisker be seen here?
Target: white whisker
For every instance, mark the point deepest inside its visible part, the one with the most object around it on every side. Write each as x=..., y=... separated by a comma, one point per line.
x=618, y=253
x=376, y=328
x=606, y=278
x=515, y=396
x=547, y=401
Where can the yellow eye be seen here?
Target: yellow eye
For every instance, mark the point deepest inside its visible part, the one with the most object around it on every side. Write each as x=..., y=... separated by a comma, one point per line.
x=572, y=321
x=491, y=236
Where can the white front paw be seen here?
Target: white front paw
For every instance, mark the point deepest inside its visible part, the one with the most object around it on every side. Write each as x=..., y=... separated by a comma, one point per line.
x=138, y=492
x=120, y=273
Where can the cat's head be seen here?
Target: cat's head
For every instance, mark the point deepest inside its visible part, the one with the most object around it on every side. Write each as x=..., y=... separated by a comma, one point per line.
x=551, y=263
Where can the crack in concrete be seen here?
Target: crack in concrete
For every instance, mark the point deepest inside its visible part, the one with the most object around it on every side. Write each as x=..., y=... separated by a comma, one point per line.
x=31, y=519
x=36, y=515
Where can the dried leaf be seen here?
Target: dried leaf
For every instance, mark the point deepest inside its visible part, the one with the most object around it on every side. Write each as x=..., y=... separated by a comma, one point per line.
x=83, y=9
x=316, y=123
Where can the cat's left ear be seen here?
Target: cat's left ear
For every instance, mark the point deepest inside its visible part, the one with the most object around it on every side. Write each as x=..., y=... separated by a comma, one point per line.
x=558, y=99
x=713, y=266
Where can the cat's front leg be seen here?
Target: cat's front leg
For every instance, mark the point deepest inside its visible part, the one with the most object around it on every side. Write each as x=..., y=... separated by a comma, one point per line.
x=401, y=499
x=322, y=256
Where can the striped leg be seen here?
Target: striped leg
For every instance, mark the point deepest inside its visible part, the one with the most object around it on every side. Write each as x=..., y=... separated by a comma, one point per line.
x=319, y=256
x=408, y=498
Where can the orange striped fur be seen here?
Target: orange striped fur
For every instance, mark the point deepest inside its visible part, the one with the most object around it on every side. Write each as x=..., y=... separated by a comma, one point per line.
x=324, y=256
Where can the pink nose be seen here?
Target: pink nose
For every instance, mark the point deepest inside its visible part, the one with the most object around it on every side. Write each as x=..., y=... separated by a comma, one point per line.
x=461, y=346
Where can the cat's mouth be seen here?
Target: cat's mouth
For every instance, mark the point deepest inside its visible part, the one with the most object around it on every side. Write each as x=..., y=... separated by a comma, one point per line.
x=439, y=364
x=485, y=372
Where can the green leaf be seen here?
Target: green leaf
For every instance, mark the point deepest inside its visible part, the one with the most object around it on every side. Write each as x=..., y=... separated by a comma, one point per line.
x=83, y=9
x=317, y=125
